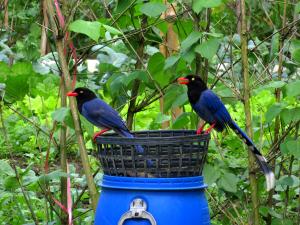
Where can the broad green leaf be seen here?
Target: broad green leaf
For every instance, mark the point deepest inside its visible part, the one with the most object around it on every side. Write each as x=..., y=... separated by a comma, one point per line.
x=91, y=29
x=279, y=220
x=181, y=121
x=190, y=40
x=170, y=61
x=198, y=5
x=5, y=168
x=292, y=89
x=153, y=9
x=274, y=84
x=11, y=183
x=296, y=55
x=111, y=30
x=228, y=182
x=4, y=71
x=55, y=175
x=297, y=7
x=116, y=85
x=273, y=111
x=289, y=115
x=291, y=181
x=140, y=75
x=208, y=48
x=171, y=96
x=188, y=56
x=291, y=147
x=211, y=174
x=180, y=100
x=89, y=127
x=155, y=67
x=60, y=114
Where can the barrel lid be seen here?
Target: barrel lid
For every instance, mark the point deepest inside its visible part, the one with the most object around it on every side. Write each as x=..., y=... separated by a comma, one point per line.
x=141, y=183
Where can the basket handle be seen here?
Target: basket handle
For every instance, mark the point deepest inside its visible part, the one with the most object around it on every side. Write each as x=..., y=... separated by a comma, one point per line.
x=138, y=210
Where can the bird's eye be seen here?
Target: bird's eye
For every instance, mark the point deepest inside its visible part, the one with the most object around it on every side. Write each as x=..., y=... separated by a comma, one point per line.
x=193, y=79
x=81, y=92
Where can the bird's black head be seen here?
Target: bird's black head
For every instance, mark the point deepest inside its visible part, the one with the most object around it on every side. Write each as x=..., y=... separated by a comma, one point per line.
x=195, y=86
x=82, y=95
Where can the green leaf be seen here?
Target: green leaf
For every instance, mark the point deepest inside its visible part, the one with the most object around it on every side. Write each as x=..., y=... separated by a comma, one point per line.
x=171, y=96
x=289, y=115
x=155, y=67
x=60, y=114
x=170, y=61
x=274, y=84
x=181, y=121
x=273, y=111
x=88, y=127
x=153, y=9
x=211, y=174
x=55, y=175
x=297, y=7
x=90, y=29
x=5, y=168
x=291, y=147
x=292, y=89
x=198, y=5
x=296, y=55
x=190, y=40
x=140, y=75
x=228, y=182
x=111, y=30
x=291, y=181
x=11, y=183
x=208, y=48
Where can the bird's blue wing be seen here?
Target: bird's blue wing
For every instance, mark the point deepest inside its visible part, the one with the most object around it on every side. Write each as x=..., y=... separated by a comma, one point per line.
x=103, y=115
x=211, y=109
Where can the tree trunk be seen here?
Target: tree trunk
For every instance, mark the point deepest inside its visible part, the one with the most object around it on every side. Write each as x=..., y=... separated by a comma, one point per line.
x=73, y=107
x=246, y=99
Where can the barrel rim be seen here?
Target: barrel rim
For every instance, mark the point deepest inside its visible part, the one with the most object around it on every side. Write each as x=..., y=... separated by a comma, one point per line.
x=155, y=184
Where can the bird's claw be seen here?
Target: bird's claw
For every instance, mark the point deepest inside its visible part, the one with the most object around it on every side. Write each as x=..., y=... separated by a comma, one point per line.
x=99, y=134
x=200, y=129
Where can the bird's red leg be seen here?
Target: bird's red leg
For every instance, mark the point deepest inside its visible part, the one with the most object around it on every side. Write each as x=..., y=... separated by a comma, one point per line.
x=210, y=128
x=99, y=134
x=199, y=131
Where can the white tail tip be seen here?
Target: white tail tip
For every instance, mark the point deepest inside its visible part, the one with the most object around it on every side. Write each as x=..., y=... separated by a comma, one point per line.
x=270, y=179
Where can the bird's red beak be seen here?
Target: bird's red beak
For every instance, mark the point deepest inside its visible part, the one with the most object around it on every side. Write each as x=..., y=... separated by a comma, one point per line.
x=182, y=80
x=71, y=93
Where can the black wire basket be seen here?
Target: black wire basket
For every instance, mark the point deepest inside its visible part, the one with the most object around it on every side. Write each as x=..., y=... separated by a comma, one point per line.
x=166, y=153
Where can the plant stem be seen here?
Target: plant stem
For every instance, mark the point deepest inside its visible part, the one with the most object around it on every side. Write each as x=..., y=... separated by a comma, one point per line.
x=136, y=84
x=246, y=101
x=73, y=107
x=63, y=156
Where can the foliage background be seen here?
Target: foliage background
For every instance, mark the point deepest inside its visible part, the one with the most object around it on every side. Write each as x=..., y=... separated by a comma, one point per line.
x=137, y=64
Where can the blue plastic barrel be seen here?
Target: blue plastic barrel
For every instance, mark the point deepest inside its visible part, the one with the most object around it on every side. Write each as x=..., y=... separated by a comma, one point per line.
x=152, y=201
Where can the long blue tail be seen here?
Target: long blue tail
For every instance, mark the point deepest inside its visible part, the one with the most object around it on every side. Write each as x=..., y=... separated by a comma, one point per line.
x=262, y=162
x=138, y=148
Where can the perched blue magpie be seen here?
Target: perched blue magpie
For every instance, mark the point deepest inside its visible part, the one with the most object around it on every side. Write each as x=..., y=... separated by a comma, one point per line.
x=100, y=114
x=212, y=110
